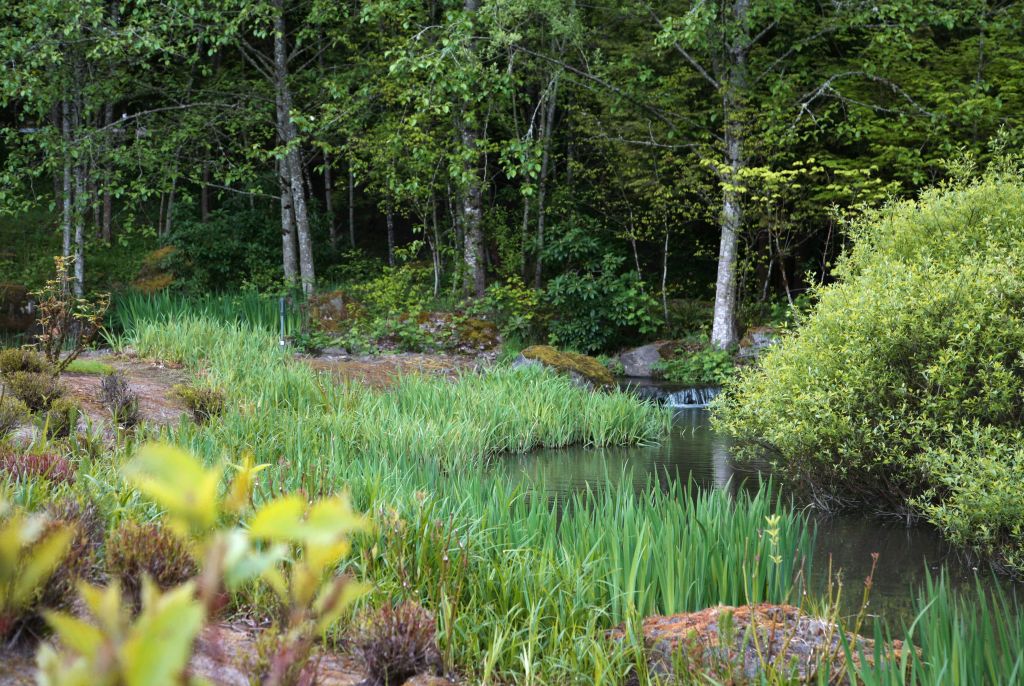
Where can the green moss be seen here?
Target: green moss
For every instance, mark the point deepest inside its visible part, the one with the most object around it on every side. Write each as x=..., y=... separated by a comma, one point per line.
x=90, y=367
x=478, y=333
x=584, y=365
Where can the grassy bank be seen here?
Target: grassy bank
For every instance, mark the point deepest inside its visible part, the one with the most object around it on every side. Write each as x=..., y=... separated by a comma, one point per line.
x=523, y=589
x=519, y=586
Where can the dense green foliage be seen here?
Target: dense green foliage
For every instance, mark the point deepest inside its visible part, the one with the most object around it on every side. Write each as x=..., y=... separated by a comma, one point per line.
x=697, y=364
x=904, y=386
x=587, y=144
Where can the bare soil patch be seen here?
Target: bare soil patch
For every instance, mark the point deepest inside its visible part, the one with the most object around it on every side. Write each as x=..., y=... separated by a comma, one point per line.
x=151, y=380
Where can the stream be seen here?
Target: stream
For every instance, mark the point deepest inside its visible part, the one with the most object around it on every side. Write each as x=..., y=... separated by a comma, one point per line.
x=694, y=451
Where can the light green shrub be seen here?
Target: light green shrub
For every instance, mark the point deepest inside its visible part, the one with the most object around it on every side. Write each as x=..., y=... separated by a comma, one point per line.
x=905, y=385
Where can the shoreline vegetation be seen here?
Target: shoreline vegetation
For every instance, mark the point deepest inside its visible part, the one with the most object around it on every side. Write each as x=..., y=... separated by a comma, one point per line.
x=519, y=587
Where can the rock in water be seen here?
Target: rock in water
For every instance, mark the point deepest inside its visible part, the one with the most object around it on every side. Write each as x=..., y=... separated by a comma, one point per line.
x=583, y=369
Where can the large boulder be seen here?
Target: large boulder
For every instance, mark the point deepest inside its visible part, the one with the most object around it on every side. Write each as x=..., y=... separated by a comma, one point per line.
x=583, y=369
x=640, y=361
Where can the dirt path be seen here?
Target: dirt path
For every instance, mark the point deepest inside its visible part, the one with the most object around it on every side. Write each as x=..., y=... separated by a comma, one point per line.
x=152, y=381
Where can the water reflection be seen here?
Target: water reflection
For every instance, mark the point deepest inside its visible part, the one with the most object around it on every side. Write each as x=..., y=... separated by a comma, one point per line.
x=694, y=451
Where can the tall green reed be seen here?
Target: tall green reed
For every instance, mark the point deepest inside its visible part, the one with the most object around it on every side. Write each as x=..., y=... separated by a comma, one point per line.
x=130, y=309
x=524, y=588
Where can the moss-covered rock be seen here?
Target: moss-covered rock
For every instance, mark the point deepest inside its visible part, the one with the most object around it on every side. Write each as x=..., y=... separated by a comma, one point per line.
x=582, y=368
x=478, y=334
x=334, y=311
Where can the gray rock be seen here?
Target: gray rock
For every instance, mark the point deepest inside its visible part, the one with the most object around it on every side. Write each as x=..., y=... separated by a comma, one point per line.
x=639, y=361
x=756, y=341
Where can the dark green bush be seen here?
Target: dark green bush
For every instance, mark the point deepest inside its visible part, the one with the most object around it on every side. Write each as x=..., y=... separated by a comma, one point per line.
x=595, y=302
x=904, y=387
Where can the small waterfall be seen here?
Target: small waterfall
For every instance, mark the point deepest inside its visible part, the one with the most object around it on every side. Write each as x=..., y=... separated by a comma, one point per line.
x=697, y=396
x=671, y=395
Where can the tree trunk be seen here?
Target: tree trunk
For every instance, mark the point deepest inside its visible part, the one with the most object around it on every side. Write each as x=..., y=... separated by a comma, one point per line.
x=169, y=216
x=204, y=195
x=288, y=248
x=66, y=200
x=351, y=206
x=472, y=195
x=664, y=274
x=292, y=157
x=548, y=122
x=723, y=331
x=435, y=246
x=332, y=223
x=79, y=222
x=389, y=217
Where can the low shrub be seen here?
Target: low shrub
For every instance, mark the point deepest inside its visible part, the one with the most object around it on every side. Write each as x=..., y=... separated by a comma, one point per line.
x=904, y=386
x=703, y=366
x=120, y=400
x=13, y=413
x=60, y=419
x=398, y=642
x=135, y=551
x=81, y=562
x=50, y=466
x=203, y=402
x=14, y=360
x=512, y=306
x=37, y=390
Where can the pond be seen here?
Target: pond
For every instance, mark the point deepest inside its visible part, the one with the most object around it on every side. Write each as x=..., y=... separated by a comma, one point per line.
x=694, y=451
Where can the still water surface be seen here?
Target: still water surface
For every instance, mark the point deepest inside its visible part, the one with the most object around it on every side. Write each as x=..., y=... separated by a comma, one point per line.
x=694, y=451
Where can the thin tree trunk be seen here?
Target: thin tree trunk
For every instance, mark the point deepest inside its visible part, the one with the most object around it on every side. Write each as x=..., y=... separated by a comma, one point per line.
x=435, y=246
x=169, y=216
x=160, y=216
x=472, y=195
x=293, y=158
x=67, y=201
x=332, y=222
x=79, y=222
x=525, y=239
x=723, y=331
x=548, y=122
x=664, y=274
x=94, y=197
x=204, y=194
x=288, y=246
x=389, y=216
x=351, y=206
